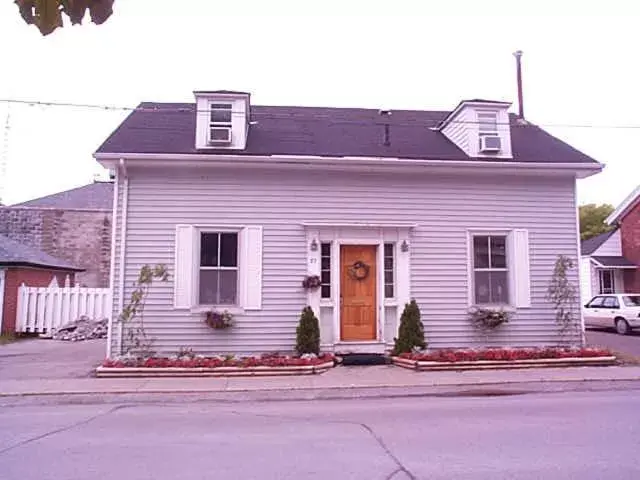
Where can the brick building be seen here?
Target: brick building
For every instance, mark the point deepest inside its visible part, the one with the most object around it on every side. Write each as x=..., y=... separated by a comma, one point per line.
x=627, y=218
x=73, y=226
x=24, y=264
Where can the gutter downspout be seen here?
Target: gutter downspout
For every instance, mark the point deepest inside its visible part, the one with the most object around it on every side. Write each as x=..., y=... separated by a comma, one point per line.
x=583, y=339
x=123, y=244
x=112, y=268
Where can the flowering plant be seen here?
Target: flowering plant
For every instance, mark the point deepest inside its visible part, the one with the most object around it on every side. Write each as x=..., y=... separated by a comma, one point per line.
x=506, y=354
x=272, y=360
x=486, y=318
x=219, y=320
x=311, y=282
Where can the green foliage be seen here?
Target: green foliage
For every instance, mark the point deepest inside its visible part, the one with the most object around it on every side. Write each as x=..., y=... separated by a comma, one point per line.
x=592, y=219
x=411, y=332
x=562, y=293
x=138, y=343
x=48, y=15
x=308, y=333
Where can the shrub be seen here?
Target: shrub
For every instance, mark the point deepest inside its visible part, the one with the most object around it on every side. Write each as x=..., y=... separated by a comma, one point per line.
x=308, y=333
x=411, y=332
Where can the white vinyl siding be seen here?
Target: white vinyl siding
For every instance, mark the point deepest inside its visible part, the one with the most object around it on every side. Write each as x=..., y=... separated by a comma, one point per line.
x=444, y=209
x=612, y=247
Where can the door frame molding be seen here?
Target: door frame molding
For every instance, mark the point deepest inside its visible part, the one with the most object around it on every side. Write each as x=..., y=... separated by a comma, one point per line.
x=344, y=234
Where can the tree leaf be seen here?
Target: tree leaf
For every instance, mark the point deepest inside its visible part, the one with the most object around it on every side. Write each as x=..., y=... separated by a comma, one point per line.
x=100, y=10
x=26, y=10
x=75, y=9
x=48, y=15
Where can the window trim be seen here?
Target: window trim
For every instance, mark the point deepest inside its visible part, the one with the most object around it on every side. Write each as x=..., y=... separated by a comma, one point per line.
x=492, y=125
x=216, y=105
x=197, y=306
x=471, y=234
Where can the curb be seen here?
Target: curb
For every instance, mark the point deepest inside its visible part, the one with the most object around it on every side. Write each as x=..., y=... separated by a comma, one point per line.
x=331, y=393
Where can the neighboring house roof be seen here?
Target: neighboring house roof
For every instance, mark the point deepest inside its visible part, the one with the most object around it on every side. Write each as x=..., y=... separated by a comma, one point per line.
x=17, y=255
x=95, y=196
x=613, y=262
x=628, y=203
x=587, y=247
x=331, y=132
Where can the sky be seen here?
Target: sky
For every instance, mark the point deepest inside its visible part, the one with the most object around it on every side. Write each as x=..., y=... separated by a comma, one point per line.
x=581, y=72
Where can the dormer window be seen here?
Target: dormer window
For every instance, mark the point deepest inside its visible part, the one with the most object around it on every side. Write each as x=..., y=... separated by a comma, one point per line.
x=488, y=123
x=480, y=128
x=488, y=137
x=220, y=124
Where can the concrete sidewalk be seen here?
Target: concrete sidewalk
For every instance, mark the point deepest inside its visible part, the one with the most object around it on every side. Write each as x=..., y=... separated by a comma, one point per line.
x=340, y=382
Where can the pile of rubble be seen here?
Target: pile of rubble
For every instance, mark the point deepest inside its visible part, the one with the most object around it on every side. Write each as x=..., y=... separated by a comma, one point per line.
x=82, y=329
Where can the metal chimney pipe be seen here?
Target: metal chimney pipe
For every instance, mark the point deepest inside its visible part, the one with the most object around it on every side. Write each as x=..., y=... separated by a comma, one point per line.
x=518, y=55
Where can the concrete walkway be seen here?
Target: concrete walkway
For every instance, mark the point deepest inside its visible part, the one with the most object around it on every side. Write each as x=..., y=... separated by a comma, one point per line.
x=338, y=382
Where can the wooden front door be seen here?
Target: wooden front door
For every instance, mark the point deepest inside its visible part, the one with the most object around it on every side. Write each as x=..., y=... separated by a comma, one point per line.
x=358, y=305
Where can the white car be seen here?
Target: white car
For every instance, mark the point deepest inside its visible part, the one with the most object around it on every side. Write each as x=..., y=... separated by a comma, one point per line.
x=618, y=310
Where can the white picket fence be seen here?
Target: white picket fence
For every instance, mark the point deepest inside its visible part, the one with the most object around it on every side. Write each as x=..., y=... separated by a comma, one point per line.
x=40, y=310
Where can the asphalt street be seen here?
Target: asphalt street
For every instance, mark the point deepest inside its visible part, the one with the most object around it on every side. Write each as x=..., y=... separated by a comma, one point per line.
x=592, y=435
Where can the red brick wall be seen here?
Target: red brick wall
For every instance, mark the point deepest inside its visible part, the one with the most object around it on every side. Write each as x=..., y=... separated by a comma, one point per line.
x=32, y=277
x=630, y=235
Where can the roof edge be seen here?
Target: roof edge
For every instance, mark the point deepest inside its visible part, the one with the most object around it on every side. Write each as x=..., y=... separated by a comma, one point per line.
x=588, y=169
x=621, y=209
x=41, y=265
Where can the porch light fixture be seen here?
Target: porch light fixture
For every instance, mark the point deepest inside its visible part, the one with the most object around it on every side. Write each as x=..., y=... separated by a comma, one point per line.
x=404, y=246
x=314, y=245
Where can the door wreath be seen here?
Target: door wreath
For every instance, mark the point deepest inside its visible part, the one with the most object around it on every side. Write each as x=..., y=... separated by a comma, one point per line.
x=359, y=270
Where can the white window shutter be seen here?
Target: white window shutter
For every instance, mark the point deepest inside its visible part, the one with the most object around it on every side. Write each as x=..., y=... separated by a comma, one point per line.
x=184, y=267
x=521, y=281
x=251, y=265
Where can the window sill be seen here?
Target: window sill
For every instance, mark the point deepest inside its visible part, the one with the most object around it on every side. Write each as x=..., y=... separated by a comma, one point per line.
x=233, y=310
x=326, y=302
x=390, y=302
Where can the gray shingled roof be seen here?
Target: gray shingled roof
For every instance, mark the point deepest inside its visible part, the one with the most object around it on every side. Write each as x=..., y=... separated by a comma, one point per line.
x=16, y=254
x=319, y=131
x=95, y=196
x=587, y=247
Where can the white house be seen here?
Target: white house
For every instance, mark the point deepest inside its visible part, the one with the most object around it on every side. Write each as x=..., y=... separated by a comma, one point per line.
x=243, y=202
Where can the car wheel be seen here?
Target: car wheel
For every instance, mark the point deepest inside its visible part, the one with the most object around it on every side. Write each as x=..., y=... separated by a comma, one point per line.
x=622, y=327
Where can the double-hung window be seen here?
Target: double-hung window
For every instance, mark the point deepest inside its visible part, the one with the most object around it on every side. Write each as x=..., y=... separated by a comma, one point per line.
x=218, y=271
x=220, y=122
x=488, y=123
x=490, y=270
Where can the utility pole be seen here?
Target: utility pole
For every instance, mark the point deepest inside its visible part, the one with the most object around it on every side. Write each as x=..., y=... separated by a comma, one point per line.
x=4, y=154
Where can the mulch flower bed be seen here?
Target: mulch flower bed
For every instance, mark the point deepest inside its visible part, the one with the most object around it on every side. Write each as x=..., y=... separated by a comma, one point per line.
x=216, y=366
x=504, y=358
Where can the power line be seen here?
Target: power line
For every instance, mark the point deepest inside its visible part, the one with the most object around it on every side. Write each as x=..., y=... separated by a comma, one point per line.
x=306, y=117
